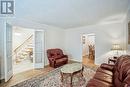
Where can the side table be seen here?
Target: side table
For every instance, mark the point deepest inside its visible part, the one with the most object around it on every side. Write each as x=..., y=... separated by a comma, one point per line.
x=112, y=60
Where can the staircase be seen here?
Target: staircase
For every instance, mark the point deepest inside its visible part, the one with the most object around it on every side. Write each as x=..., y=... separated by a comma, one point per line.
x=24, y=51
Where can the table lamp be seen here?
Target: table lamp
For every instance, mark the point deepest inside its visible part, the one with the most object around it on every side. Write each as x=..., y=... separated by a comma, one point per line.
x=116, y=47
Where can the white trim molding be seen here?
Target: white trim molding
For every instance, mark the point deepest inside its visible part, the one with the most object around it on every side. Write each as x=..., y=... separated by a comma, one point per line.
x=74, y=59
x=2, y=77
x=38, y=65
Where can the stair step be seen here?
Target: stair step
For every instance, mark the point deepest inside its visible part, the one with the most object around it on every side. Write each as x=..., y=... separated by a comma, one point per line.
x=27, y=50
x=30, y=44
x=21, y=55
x=25, y=53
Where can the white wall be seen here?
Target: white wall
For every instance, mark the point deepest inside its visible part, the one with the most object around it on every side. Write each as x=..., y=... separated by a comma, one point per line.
x=128, y=20
x=2, y=27
x=128, y=15
x=54, y=37
x=105, y=36
x=85, y=46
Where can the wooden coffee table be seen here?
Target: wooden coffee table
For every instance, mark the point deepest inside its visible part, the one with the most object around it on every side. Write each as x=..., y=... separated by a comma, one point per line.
x=71, y=70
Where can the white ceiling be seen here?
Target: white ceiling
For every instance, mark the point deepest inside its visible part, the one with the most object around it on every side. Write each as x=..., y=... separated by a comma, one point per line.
x=71, y=13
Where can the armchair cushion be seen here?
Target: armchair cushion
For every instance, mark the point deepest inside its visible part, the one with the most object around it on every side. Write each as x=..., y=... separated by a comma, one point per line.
x=61, y=60
x=65, y=56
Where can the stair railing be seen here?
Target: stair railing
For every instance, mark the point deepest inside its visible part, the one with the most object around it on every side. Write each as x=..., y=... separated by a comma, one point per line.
x=22, y=46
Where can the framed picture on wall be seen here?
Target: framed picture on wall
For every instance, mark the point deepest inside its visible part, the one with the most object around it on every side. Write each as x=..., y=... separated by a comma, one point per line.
x=83, y=39
x=129, y=33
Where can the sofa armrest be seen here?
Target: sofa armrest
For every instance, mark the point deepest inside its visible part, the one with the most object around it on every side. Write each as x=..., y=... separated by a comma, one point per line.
x=107, y=66
x=65, y=56
x=52, y=62
x=125, y=85
x=52, y=59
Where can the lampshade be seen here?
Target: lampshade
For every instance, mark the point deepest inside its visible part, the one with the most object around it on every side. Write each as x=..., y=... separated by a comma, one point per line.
x=116, y=47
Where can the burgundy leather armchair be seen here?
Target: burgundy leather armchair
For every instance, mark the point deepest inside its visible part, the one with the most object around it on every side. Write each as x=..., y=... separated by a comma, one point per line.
x=56, y=57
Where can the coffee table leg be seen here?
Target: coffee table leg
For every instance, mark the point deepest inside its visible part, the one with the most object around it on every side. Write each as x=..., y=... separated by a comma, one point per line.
x=61, y=76
x=82, y=73
x=71, y=78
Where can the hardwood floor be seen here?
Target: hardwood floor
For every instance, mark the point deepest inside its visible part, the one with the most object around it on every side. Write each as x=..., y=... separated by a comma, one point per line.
x=27, y=75
x=17, y=78
x=87, y=61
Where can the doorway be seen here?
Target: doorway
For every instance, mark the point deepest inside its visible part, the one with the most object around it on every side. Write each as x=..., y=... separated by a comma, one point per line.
x=35, y=55
x=88, y=49
x=22, y=49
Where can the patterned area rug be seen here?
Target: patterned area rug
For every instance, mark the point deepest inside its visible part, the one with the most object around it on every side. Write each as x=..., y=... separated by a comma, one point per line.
x=53, y=79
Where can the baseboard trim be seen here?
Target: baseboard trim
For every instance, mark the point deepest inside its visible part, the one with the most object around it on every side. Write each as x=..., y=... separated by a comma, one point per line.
x=8, y=75
x=2, y=77
x=75, y=60
x=39, y=65
x=2, y=80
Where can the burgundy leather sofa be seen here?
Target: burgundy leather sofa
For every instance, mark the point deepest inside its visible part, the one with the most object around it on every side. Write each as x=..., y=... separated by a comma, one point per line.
x=56, y=57
x=117, y=75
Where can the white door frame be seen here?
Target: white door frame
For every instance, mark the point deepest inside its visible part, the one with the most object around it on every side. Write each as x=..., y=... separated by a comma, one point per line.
x=39, y=65
x=5, y=51
x=82, y=44
x=9, y=74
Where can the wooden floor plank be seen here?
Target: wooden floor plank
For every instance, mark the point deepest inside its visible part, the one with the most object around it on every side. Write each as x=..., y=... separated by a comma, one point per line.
x=33, y=73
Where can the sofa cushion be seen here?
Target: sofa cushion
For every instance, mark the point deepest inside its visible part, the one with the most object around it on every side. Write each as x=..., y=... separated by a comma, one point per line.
x=98, y=83
x=103, y=77
x=117, y=82
x=127, y=79
x=121, y=69
x=118, y=75
x=124, y=71
x=107, y=66
x=126, y=85
x=105, y=71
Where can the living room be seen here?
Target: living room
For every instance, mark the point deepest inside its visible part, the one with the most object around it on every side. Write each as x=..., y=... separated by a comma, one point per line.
x=64, y=23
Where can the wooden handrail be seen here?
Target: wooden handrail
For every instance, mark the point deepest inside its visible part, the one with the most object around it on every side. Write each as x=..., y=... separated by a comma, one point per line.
x=16, y=50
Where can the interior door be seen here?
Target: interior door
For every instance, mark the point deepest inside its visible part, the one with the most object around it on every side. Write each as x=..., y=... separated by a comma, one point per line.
x=39, y=49
x=8, y=52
